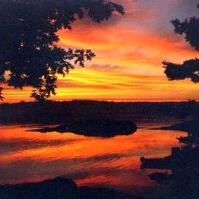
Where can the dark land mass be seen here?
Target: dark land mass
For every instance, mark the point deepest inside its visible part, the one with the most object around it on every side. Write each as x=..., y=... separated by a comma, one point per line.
x=182, y=180
x=51, y=112
x=101, y=127
x=59, y=188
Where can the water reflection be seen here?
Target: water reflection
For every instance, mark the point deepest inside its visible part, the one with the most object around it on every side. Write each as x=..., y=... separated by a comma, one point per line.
x=115, y=162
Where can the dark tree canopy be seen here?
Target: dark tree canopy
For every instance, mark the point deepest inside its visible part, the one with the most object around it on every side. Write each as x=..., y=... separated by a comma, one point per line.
x=29, y=55
x=189, y=68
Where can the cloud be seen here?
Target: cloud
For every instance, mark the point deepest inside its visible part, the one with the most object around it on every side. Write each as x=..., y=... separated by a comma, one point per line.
x=127, y=47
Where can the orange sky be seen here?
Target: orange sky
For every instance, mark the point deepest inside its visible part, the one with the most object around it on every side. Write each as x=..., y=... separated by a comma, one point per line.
x=129, y=53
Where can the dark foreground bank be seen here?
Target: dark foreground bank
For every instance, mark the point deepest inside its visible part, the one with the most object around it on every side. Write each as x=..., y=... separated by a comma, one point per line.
x=182, y=180
x=59, y=188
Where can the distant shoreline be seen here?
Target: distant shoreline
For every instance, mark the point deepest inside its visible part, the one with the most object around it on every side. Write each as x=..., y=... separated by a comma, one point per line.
x=108, y=101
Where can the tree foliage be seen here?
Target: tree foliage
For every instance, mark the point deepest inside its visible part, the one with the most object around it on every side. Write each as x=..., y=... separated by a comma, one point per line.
x=29, y=55
x=189, y=28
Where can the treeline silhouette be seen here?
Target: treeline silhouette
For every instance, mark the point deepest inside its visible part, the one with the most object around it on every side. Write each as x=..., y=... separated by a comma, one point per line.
x=29, y=52
x=51, y=112
x=189, y=69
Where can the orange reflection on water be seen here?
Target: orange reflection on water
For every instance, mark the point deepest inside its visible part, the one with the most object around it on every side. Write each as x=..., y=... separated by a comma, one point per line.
x=32, y=156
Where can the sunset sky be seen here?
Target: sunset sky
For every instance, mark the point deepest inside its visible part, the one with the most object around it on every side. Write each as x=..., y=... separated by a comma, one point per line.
x=129, y=53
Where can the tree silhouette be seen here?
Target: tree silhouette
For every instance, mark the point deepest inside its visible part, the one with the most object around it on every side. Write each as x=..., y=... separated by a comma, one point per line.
x=189, y=68
x=29, y=55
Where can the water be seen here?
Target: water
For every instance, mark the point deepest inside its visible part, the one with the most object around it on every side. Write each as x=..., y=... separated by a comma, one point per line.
x=114, y=162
